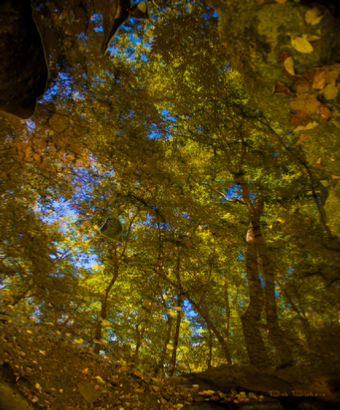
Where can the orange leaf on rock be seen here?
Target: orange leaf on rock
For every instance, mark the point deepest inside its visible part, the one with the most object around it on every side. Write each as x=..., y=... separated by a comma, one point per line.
x=302, y=138
x=317, y=163
x=324, y=112
x=280, y=88
x=334, y=71
x=300, y=118
x=306, y=102
x=318, y=77
x=320, y=80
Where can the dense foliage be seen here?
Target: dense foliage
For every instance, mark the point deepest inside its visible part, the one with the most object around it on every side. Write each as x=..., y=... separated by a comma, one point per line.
x=225, y=255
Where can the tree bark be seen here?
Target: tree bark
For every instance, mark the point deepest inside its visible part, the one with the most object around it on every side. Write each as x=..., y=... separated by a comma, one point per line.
x=275, y=332
x=250, y=319
x=176, y=337
x=160, y=364
x=104, y=297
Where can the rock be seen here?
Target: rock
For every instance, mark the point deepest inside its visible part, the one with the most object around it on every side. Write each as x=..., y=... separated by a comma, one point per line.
x=23, y=68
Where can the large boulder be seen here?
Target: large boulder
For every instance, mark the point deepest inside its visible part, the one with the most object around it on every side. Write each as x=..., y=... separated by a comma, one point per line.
x=23, y=67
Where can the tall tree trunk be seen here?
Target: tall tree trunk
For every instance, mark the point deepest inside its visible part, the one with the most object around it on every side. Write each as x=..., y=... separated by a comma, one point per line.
x=250, y=319
x=139, y=334
x=210, y=349
x=227, y=310
x=104, y=297
x=176, y=337
x=276, y=334
x=160, y=364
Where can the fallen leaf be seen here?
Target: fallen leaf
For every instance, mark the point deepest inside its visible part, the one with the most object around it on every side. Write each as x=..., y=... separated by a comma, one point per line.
x=320, y=80
x=336, y=177
x=313, y=16
x=309, y=126
x=334, y=71
x=325, y=113
x=302, y=138
x=330, y=91
x=280, y=88
x=302, y=45
x=310, y=37
x=306, y=102
x=289, y=65
x=317, y=163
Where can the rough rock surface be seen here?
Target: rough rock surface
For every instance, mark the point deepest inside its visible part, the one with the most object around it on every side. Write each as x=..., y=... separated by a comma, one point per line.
x=23, y=69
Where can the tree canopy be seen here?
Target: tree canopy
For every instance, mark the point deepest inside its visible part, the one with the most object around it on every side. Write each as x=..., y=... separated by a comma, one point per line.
x=224, y=254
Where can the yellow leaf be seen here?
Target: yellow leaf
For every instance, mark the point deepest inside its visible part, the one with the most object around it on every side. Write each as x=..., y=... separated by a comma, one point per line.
x=302, y=138
x=309, y=126
x=172, y=313
x=177, y=308
x=313, y=16
x=42, y=352
x=289, y=65
x=302, y=45
x=29, y=332
x=35, y=399
x=169, y=347
x=330, y=91
x=79, y=341
x=311, y=37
